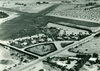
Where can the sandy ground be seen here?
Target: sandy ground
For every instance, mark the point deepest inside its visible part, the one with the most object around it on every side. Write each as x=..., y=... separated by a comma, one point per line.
x=93, y=67
x=36, y=68
x=1, y=21
x=65, y=53
x=12, y=15
x=31, y=6
x=34, y=9
x=90, y=47
x=8, y=18
x=5, y=55
x=69, y=30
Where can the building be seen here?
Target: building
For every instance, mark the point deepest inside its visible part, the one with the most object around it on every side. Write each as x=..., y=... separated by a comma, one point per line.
x=65, y=63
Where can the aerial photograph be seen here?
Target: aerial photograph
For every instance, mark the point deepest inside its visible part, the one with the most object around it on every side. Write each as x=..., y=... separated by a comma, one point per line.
x=49, y=35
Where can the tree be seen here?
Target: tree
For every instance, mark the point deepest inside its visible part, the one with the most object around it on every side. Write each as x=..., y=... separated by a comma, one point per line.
x=5, y=70
x=41, y=70
x=95, y=55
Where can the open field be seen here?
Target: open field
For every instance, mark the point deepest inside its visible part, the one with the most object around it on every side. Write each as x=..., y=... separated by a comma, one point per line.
x=73, y=21
x=4, y=55
x=9, y=28
x=77, y=11
x=69, y=30
x=26, y=24
x=43, y=49
x=25, y=6
x=94, y=67
x=61, y=32
x=11, y=15
x=10, y=59
x=92, y=46
x=81, y=24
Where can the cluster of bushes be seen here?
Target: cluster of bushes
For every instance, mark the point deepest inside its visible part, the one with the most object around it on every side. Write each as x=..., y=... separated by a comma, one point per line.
x=97, y=35
x=3, y=15
x=20, y=4
x=91, y=3
x=44, y=2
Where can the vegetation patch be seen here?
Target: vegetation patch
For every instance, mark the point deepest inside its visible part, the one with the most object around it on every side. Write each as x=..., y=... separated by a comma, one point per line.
x=3, y=15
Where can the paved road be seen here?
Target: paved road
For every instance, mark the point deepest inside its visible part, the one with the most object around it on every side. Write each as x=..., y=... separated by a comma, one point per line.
x=32, y=64
x=59, y=51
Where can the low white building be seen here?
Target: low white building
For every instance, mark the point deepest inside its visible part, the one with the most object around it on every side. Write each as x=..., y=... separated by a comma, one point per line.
x=93, y=60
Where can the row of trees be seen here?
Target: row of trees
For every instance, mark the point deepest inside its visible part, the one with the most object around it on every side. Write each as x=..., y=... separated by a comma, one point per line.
x=21, y=4
x=42, y=2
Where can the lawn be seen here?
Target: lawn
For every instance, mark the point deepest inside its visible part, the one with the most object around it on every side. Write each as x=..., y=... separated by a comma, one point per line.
x=42, y=49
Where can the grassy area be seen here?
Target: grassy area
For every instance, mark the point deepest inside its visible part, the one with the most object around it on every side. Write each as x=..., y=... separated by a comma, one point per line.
x=92, y=46
x=61, y=32
x=73, y=21
x=43, y=49
x=26, y=24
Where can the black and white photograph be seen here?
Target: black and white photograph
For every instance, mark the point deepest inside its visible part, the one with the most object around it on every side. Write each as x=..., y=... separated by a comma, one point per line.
x=49, y=35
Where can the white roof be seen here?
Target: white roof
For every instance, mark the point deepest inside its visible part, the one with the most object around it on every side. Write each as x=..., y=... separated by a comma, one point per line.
x=62, y=63
x=92, y=59
x=75, y=58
